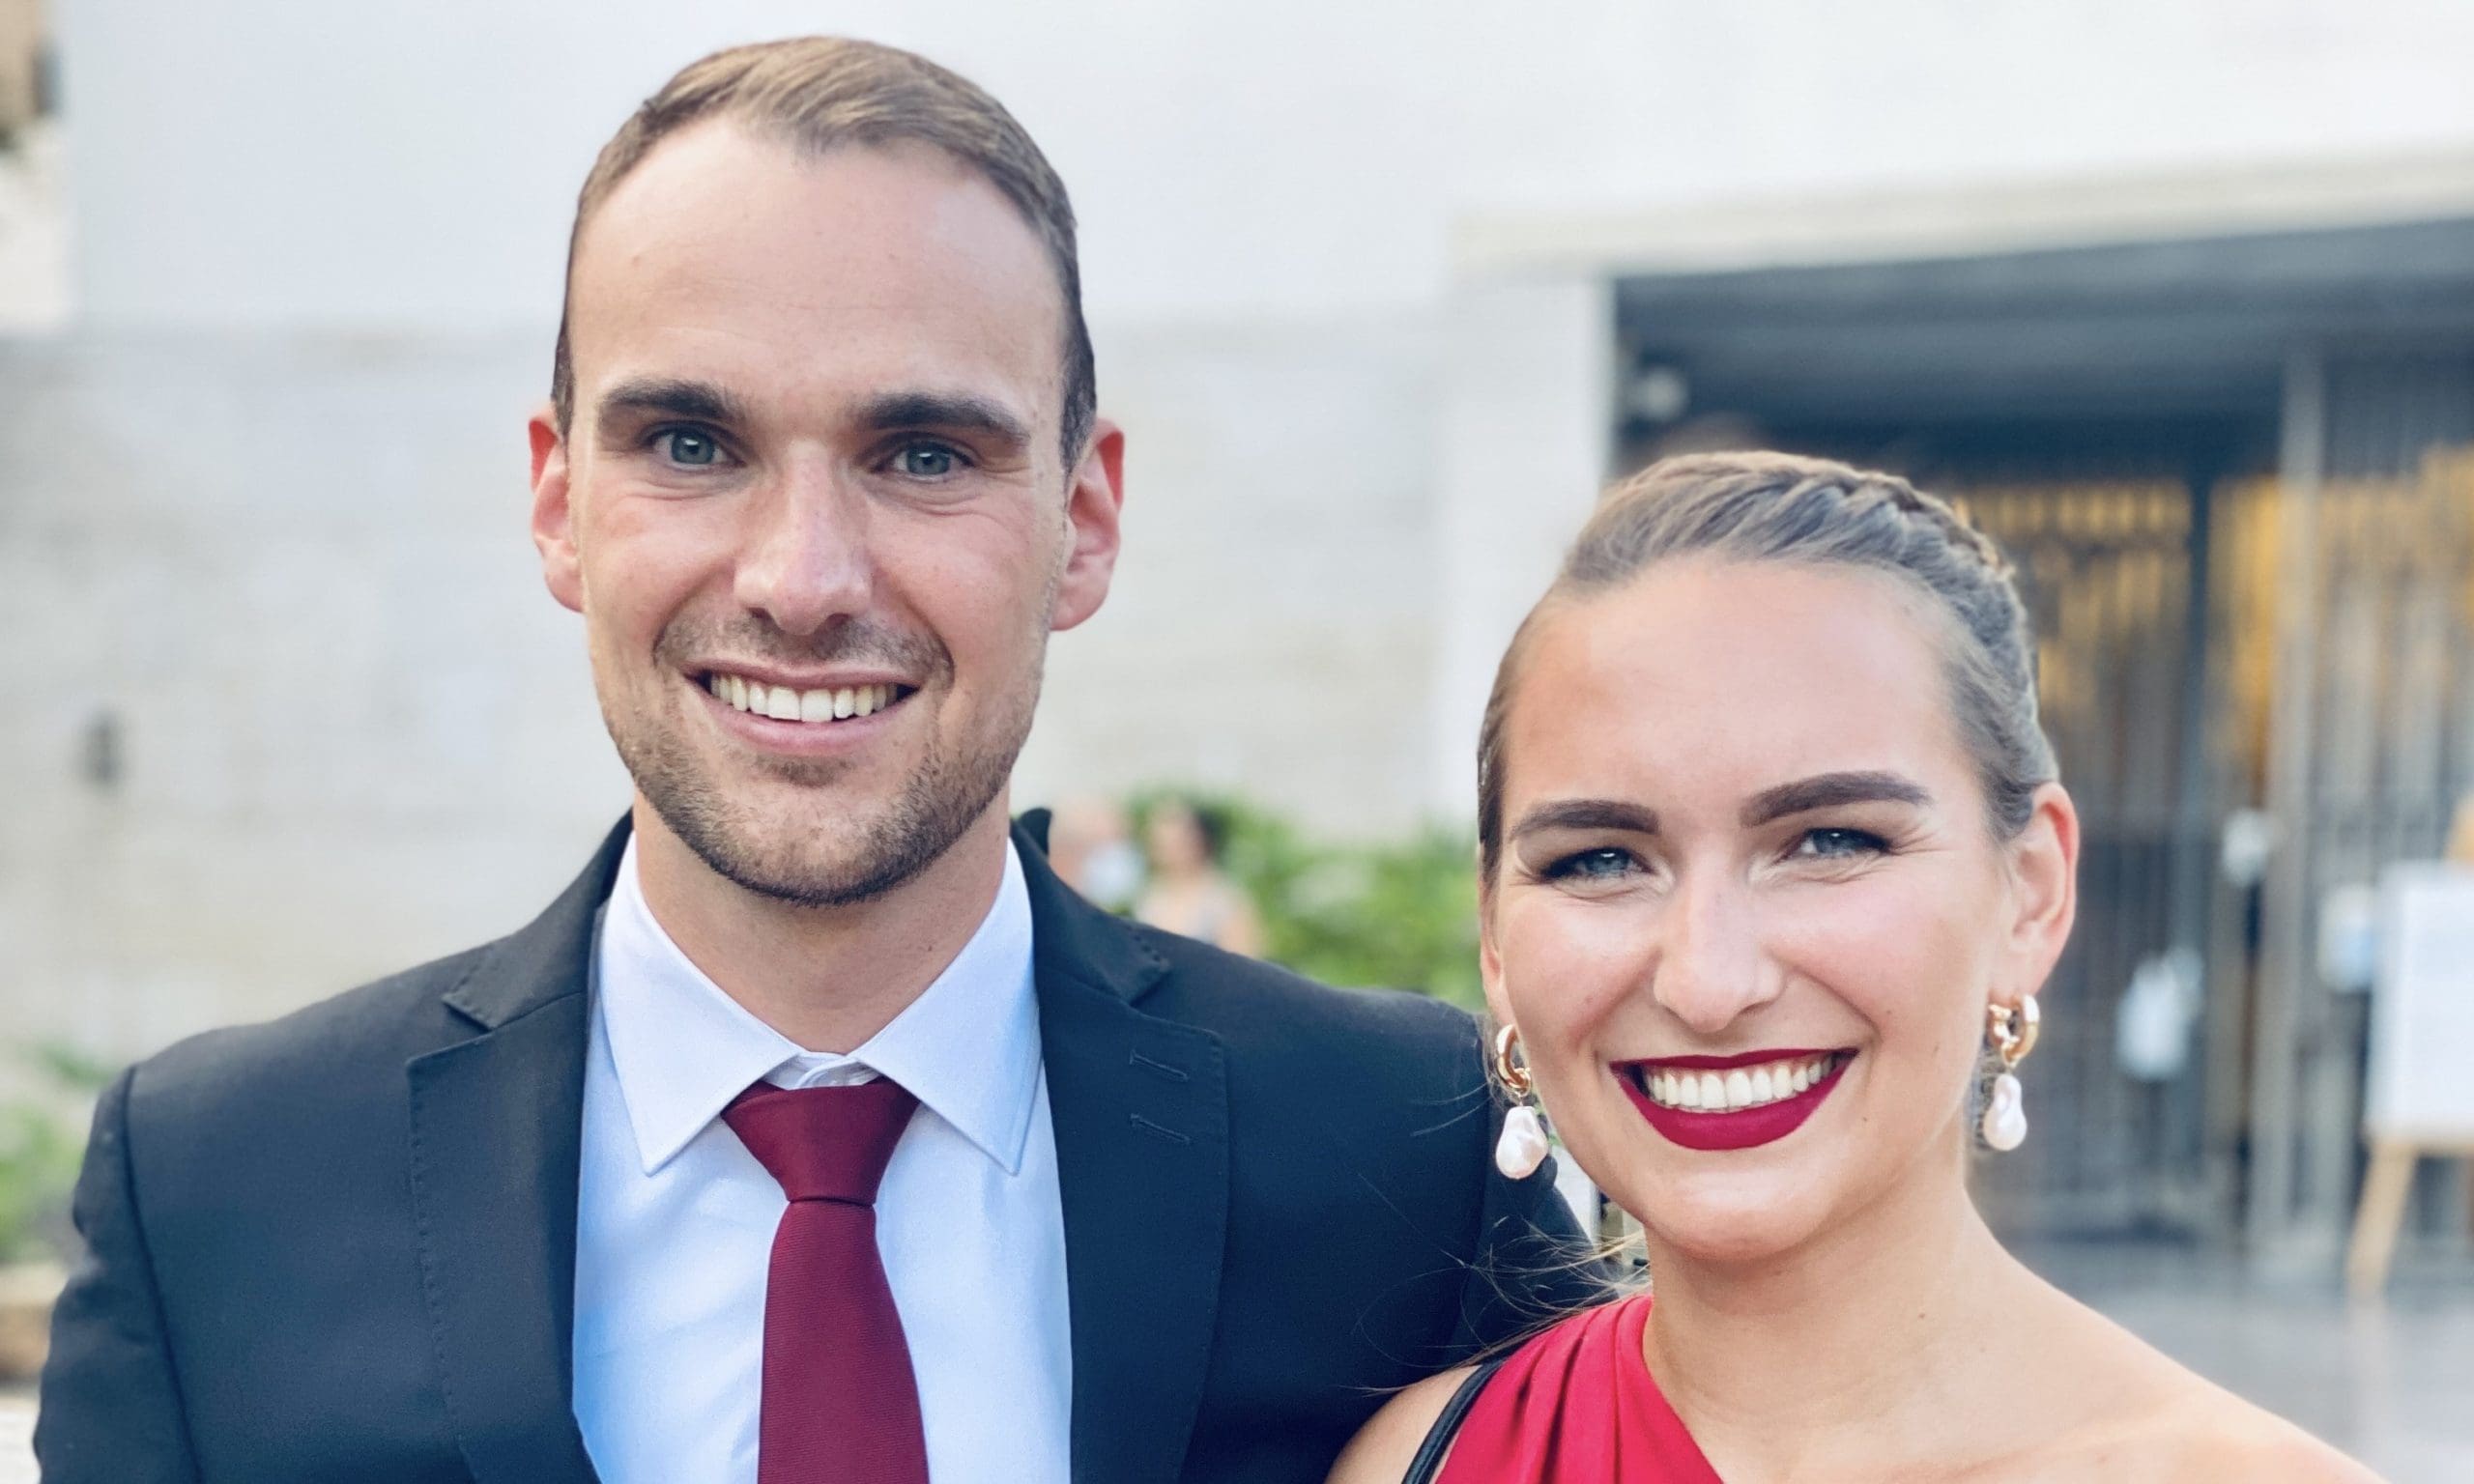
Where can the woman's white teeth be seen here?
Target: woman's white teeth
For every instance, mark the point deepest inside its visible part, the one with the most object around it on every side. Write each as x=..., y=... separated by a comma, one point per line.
x=785, y=705
x=1740, y=1087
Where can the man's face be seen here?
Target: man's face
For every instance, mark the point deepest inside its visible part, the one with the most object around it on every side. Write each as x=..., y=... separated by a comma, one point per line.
x=812, y=505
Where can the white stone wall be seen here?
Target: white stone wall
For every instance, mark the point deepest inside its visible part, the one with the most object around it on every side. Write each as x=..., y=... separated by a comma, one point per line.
x=263, y=501
x=411, y=163
x=352, y=730
x=355, y=732
x=1269, y=629
x=1530, y=393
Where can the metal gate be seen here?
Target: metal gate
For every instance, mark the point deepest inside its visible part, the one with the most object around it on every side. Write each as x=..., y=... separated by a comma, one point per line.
x=2160, y=605
x=2108, y=569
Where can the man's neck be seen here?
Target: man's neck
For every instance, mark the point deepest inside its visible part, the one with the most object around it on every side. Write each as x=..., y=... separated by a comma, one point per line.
x=825, y=978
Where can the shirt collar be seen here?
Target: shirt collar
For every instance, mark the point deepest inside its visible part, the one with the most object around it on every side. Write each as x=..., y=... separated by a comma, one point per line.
x=967, y=1048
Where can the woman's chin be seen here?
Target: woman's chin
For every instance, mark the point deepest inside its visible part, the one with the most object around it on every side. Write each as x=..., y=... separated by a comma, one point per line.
x=1732, y=1221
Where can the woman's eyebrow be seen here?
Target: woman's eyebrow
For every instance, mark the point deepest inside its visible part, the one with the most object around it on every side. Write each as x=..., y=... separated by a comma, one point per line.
x=1826, y=790
x=1588, y=814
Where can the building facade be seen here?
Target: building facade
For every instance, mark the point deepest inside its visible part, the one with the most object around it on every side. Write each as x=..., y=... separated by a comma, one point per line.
x=1381, y=292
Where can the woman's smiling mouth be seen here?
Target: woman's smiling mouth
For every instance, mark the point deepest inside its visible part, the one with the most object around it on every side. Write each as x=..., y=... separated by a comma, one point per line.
x=1726, y=1103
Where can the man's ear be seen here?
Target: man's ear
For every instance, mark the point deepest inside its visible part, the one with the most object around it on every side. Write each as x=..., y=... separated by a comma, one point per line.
x=1093, y=504
x=553, y=533
x=2044, y=873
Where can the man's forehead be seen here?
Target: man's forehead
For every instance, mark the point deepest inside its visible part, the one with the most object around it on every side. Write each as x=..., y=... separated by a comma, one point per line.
x=729, y=243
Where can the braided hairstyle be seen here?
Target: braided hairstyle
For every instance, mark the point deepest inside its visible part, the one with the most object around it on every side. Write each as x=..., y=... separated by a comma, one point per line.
x=1812, y=512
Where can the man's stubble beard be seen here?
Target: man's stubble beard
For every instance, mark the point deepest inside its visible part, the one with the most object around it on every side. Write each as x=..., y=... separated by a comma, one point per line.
x=943, y=797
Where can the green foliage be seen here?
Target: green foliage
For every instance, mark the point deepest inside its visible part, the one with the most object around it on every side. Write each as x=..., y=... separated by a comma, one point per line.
x=1399, y=914
x=40, y=1149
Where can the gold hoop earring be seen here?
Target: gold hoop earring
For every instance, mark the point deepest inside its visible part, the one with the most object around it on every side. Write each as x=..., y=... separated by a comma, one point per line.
x=2011, y=1032
x=1513, y=1074
x=1522, y=1147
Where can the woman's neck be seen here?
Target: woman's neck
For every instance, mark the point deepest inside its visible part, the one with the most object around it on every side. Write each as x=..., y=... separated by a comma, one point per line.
x=1844, y=1357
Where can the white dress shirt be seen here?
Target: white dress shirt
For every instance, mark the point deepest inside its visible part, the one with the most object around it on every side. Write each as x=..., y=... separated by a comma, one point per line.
x=674, y=1218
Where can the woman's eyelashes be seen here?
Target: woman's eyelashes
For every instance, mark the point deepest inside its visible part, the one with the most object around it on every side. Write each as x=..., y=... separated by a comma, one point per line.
x=1598, y=863
x=1605, y=864
x=1839, y=843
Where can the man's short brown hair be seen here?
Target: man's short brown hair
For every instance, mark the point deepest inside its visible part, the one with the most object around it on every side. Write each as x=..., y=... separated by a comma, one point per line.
x=823, y=92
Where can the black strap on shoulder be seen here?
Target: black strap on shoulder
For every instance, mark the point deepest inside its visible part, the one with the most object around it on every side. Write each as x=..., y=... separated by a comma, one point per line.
x=1447, y=1426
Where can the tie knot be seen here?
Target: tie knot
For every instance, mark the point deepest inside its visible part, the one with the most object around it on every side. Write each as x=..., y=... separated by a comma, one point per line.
x=824, y=1143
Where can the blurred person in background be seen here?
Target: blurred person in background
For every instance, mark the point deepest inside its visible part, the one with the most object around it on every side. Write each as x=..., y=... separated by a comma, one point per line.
x=1773, y=859
x=2460, y=832
x=1090, y=844
x=817, y=1131
x=1189, y=893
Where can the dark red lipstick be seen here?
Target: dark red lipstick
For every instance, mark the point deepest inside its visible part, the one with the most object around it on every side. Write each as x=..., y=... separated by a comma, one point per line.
x=1741, y=1128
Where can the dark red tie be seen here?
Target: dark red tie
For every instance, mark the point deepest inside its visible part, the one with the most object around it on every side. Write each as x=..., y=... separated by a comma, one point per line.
x=839, y=1398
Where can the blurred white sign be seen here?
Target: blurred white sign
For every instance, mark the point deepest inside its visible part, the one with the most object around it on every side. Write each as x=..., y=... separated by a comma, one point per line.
x=2422, y=1012
x=2153, y=1023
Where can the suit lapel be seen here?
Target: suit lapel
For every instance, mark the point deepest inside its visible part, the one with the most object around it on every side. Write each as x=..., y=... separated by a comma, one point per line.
x=496, y=1137
x=1140, y=1109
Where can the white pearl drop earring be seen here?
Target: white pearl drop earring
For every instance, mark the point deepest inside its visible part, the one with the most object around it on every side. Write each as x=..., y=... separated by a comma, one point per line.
x=1523, y=1144
x=2012, y=1034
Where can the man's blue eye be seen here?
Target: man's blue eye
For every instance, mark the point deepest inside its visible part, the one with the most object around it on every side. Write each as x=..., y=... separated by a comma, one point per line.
x=690, y=449
x=926, y=461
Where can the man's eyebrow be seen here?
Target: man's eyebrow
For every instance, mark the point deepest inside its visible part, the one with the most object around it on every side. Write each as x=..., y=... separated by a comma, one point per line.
x=955, y=411
x=1826, y=790
x=1588, y=814
x=671, y=397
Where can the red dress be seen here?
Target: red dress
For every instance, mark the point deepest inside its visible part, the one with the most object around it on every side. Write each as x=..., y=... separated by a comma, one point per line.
x=1577, y=1406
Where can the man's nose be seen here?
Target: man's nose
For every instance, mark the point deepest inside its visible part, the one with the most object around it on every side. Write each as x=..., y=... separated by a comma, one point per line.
x=805, y=560
x=1710, y=967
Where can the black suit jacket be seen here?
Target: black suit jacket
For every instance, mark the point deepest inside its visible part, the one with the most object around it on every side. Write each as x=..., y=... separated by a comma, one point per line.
x=341, y=1246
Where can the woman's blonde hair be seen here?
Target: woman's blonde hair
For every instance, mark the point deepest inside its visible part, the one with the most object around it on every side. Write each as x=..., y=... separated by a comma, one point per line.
x=1775, y=508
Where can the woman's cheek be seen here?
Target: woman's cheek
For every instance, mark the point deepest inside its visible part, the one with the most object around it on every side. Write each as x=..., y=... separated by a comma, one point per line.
x=1567, y=965
x=1885, y=946
x=1566, y=970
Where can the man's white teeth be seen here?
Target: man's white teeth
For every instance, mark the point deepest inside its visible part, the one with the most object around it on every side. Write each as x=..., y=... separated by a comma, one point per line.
x=785, y=705
x=1740, y=1087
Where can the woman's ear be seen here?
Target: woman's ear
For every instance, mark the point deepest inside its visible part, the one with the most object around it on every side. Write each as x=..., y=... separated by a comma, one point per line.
x=1490, y=960
x=2044, y=895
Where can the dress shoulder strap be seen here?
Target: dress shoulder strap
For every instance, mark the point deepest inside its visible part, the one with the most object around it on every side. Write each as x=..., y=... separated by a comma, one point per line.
x=1447, y=1425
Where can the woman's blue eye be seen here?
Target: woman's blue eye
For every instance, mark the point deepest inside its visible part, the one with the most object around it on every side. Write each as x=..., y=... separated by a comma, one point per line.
x=926, y=461
x=688, y=449
x=1840, y=844
x=1591, y=865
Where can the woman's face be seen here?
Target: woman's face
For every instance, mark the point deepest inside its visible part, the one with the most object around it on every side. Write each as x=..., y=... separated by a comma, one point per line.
x=1175, y=838
x=1748, y=910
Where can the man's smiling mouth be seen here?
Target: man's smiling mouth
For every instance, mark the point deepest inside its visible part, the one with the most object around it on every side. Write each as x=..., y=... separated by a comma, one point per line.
x=782, y=703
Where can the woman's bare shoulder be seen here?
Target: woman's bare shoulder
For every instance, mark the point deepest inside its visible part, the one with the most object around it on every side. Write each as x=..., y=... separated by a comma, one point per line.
x=2199, y=1431
x=1383, y=1450
x=2227, y=1437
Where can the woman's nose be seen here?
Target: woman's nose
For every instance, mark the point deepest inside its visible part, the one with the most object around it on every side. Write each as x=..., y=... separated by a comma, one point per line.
x=1710, y=966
